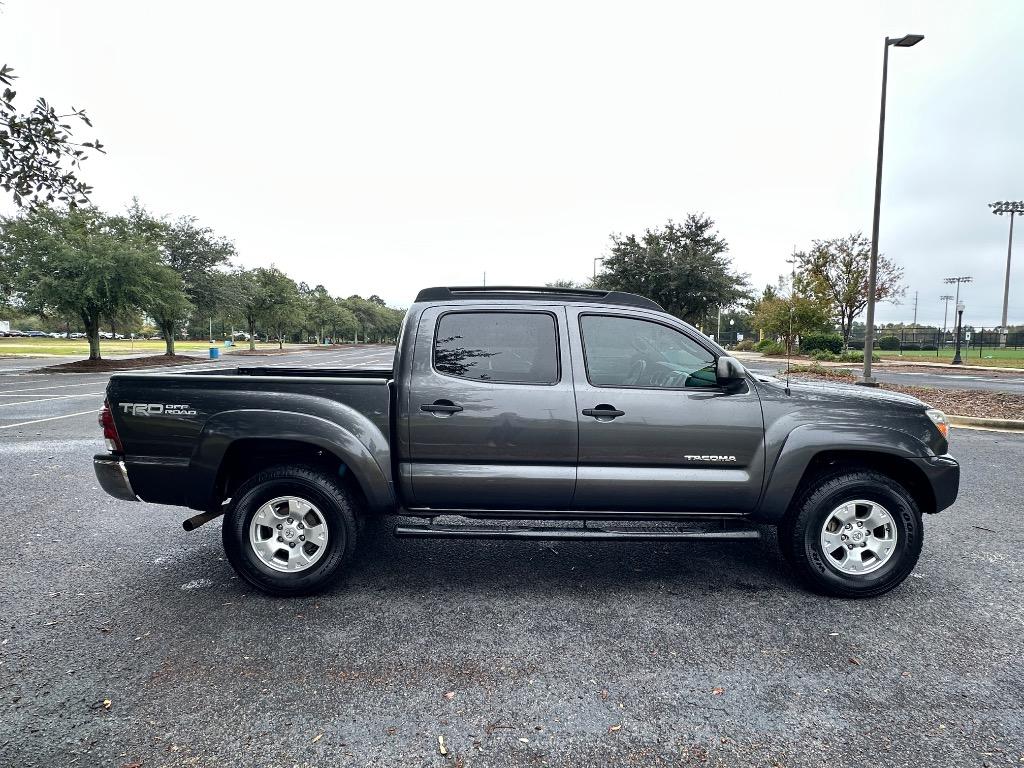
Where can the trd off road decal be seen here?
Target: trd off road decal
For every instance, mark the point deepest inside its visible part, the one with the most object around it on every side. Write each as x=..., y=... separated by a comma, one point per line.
x=158, y=409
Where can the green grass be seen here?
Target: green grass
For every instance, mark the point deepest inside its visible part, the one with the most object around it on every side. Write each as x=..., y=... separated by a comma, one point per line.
x=108, y=347
x=994, y=356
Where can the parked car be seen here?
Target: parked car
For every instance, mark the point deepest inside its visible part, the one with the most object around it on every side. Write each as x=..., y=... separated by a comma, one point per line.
x=37, y=334
x=77, y=335
x=535, y=406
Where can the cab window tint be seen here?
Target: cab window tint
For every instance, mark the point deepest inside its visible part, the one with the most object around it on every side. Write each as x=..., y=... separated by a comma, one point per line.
x=627, y=352
x=511, y=347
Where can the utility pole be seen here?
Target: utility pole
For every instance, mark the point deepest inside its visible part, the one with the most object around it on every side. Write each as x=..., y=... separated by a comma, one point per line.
x=999, y=208
x=915, y=308
x=869, y=332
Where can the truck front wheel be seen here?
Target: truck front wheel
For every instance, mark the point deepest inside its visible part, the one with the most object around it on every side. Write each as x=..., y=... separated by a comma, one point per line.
x=290, y=529
x=853, y=534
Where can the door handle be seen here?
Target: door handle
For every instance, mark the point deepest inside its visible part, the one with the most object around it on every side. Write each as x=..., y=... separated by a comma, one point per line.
x=603, y=412
x=441, y=406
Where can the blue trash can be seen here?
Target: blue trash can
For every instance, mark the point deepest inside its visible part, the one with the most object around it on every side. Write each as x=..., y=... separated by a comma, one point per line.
x=214, y=353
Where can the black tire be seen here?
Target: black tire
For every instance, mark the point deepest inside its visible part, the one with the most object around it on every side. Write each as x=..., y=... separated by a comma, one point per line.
x=326, y=492
x=799, y=533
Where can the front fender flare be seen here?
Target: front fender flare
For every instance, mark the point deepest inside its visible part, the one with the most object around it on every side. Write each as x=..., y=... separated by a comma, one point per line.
x=805, y=442
x=362, y=448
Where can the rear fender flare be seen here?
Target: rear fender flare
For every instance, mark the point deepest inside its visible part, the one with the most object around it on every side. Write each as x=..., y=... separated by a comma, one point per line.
x=361, y=446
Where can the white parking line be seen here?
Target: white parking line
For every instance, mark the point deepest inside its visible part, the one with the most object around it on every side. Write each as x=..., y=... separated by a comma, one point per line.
x=59, y=386
x=48, y=399
x=51, y=418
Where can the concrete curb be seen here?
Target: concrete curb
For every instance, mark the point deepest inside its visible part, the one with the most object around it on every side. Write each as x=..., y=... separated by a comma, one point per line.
x=979, y=422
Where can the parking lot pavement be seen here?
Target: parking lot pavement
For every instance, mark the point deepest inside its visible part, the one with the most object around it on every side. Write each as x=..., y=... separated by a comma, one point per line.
x=30, y=399
x=126, y=641
x=940, y=378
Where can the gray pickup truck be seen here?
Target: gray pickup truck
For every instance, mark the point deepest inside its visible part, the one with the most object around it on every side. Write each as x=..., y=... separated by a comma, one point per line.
x=534, y=407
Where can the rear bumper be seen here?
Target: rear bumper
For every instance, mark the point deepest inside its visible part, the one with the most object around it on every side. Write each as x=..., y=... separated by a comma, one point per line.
x=943, y=473
x=113, y=477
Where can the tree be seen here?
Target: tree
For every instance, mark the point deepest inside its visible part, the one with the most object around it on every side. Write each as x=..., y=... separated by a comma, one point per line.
x=320, y=309
x=267, y=298
x=39, y=157
x=78, y=263
x=789, y=316
x=836, y=272
x=195, y=254
x=684, y=267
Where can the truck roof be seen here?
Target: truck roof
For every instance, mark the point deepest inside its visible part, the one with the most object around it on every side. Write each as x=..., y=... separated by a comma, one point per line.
x=528, y=293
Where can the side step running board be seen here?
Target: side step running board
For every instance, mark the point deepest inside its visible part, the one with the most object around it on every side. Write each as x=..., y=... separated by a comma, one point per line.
x=559, y=534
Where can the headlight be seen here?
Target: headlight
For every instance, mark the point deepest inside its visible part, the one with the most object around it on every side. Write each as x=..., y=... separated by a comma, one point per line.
x=939, y=420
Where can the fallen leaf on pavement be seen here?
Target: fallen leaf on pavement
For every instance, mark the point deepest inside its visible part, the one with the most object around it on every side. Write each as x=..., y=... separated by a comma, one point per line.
x=855, y=660
x=604, y=694
x=717, y=691
x=107, y=703
x=613, y=728
x=450, y=695
x=440, y=745
x=317, y=737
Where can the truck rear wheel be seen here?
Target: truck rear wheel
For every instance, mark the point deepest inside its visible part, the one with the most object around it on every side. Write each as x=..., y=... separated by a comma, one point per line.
x=290, y=529
x=853, y=534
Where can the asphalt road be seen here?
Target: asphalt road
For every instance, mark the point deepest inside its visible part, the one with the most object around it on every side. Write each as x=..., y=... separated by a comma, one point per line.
x=924, y=377
x=517, y=654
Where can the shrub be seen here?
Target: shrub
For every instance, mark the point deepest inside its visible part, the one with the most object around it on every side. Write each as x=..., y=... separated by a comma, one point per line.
x=772, y=348
x=744, y=346
x=889, y=343
x=929, y=348
x=823, y=354
x=911, y=346
x=815, y=341
x=852, y=356
x=763, y=344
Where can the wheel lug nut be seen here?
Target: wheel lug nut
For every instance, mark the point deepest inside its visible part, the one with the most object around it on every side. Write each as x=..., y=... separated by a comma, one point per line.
x=279, y=526
x=290, y=521
x=302, y=538
x=280, y=538
x=301, y=526
x=849, y=546
x=848, y=526
x=860, y=525
x=844, y=537
x=291, y=544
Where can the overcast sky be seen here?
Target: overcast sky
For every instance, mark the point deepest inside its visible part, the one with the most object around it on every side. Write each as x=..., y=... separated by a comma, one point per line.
x=384, y=147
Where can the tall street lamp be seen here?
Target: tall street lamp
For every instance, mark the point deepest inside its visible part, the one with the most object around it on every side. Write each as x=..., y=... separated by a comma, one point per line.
x=869, y=336
x=1012, y=208
x=959, y=309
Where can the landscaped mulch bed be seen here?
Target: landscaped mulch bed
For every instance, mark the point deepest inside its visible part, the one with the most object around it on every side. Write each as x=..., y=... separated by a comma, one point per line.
x=104, y=365
x=961, y=402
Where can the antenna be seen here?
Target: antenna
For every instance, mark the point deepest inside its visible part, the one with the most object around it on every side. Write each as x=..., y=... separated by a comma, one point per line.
x=789, y=347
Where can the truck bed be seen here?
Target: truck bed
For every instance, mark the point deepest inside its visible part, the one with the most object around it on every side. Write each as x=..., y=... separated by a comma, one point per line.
x=172, y=424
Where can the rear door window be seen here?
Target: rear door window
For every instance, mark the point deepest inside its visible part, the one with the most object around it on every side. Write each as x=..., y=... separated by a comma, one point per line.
x=509, y=347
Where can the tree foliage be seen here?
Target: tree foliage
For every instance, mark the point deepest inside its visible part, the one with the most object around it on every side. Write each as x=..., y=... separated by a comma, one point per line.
x=80, y=263
x=39, y=156
x=836, y=273
x=787, y=317
x=684, y=267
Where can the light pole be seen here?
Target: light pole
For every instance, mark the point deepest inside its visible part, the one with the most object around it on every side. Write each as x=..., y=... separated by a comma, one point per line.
x=960, y=307
x=1012, y=208
x=869, y=332
x=945, y=313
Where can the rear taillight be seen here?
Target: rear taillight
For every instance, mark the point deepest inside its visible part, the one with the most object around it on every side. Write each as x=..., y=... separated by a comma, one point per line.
x=109, y=430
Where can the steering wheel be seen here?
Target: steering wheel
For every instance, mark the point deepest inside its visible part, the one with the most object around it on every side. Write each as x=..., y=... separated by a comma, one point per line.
x=643, y=345
x=636, y=371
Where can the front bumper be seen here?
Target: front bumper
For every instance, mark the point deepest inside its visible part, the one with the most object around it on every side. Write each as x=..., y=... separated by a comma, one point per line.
x=113, y=477
x=943, y=473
